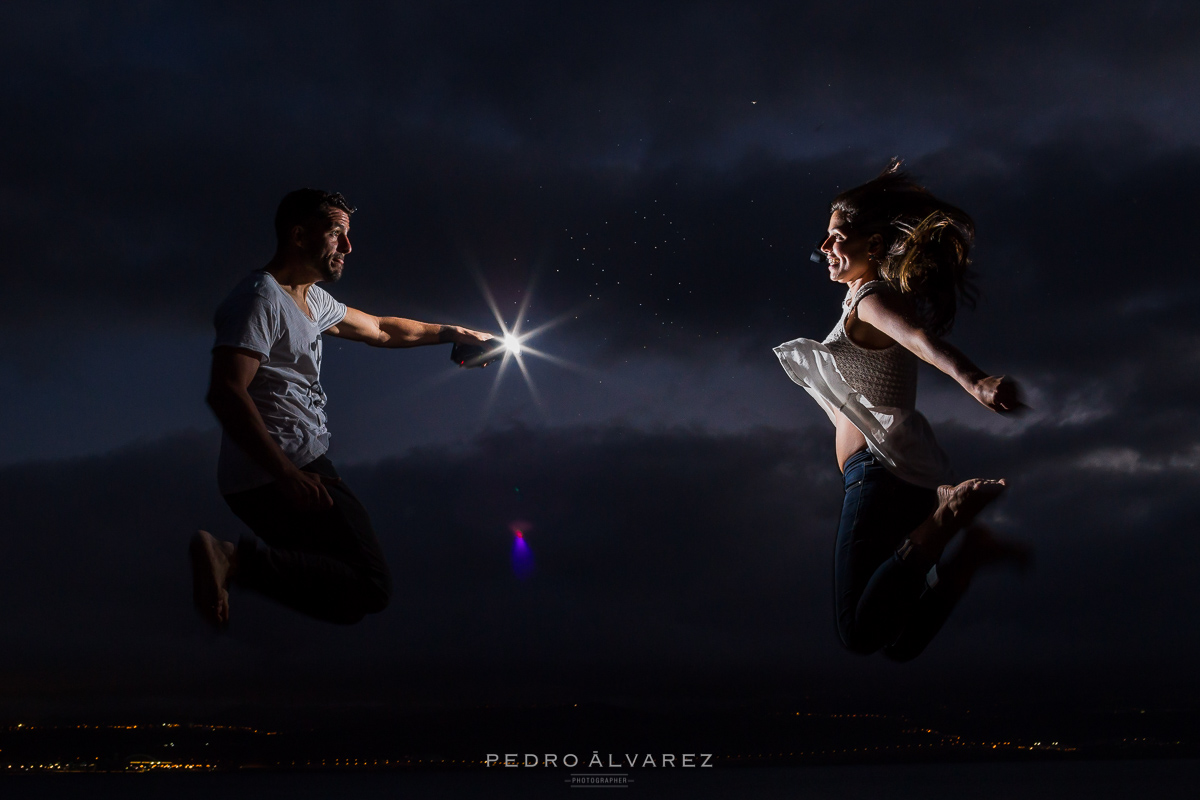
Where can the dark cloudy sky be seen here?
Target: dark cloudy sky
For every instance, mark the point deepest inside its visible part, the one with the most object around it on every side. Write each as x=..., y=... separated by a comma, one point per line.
x=653, y=176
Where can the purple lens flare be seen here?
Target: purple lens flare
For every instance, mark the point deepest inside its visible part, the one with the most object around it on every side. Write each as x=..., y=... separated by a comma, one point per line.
x=522, y=554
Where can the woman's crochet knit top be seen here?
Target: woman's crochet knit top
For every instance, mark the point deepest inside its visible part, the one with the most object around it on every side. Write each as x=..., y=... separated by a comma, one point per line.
x=885, y=377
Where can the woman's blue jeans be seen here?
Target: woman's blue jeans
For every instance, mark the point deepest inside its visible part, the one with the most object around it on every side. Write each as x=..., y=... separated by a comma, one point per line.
x=883, y=601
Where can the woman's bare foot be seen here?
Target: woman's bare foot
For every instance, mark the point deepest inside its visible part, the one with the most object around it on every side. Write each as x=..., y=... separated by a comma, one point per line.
x=957, y=508
x=958, y=505
x=212, y=567
x=981, y=548
x=984, y=548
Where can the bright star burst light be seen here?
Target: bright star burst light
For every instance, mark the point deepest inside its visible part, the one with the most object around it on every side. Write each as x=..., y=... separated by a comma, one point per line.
x=514, y=343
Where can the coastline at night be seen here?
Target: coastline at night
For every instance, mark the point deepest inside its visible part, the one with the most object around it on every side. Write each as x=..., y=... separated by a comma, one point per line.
x=599, y=737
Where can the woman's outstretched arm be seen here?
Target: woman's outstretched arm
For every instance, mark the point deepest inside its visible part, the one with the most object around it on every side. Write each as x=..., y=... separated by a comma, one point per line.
x=893, y=316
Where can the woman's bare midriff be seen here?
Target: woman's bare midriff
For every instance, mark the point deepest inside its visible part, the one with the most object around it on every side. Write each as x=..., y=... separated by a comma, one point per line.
x=849, y=439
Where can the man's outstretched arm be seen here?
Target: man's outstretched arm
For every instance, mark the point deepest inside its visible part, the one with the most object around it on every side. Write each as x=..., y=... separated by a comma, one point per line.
x=228, y=396
x=399, y=332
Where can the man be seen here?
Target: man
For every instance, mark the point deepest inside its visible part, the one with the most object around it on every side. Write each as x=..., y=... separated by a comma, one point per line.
x=313, y=549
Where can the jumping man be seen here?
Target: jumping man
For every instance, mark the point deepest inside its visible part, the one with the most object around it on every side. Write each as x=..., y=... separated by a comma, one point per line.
x=313, y=547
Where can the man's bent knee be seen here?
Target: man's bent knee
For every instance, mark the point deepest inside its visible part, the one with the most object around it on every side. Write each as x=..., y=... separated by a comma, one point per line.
x=857, y=643
x=376, y=594
x=368, y=597
x=376, y=600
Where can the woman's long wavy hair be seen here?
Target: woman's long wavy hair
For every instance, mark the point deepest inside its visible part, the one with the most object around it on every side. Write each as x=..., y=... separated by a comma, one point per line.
x=926, y=242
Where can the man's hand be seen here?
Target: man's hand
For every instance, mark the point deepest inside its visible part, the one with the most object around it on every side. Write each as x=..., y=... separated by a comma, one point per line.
x=306, y=491
x=399, y=332
x=999, y=393
x=229, y=398
x=460, y=335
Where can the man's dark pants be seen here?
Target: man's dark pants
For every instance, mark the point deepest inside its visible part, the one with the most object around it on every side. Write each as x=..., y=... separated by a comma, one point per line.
x=327, y=564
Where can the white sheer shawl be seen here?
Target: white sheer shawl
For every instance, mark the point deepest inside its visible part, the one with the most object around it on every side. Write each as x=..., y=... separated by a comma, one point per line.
x=901, y=438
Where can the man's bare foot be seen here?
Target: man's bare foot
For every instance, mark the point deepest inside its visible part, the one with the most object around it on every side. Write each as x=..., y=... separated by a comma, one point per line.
x=212, y=567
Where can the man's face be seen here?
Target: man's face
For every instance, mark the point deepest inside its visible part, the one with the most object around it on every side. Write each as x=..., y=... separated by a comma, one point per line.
x=327, y=243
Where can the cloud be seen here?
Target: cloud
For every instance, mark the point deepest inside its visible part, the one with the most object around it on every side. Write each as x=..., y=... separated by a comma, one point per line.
x=670, y=559
x=1129, y=461
x=155, y=143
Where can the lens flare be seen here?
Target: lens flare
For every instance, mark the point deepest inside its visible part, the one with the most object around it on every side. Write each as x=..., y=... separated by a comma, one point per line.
x=512, y=344
x=522, y=555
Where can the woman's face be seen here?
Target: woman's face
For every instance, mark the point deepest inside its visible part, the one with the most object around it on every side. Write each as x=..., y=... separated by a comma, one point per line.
x=846, y=252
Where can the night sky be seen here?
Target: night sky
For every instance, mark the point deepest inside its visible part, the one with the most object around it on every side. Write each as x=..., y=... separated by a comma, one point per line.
x=652, y=178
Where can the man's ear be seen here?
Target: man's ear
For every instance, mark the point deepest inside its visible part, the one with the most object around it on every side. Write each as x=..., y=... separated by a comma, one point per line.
x=297, y=236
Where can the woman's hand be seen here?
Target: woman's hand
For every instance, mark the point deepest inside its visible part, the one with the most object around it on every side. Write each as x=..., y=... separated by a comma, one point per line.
x=999, y=393
x=887, y=312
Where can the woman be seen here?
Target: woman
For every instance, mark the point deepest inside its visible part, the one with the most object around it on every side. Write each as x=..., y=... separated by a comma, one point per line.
x=903, y=256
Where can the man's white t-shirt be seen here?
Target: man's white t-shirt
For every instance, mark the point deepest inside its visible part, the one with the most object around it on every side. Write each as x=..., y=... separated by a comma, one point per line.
x=259, y=316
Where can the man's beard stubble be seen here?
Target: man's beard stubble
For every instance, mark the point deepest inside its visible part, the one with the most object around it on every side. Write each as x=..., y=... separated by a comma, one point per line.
x=331, y=271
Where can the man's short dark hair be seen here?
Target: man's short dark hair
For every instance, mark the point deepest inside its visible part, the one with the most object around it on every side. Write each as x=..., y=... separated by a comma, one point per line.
x=299, y=207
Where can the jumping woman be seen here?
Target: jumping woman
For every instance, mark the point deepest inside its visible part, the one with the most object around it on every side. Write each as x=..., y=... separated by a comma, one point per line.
x=903, y=255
